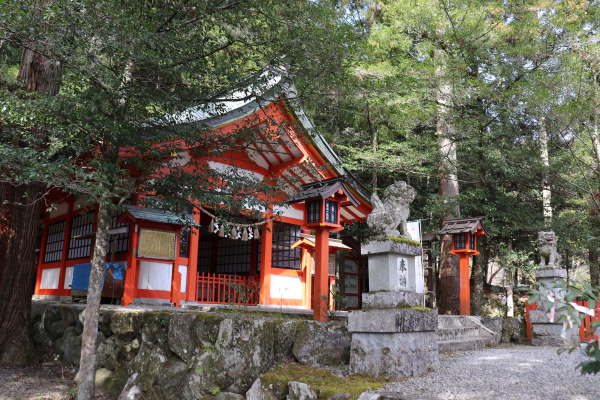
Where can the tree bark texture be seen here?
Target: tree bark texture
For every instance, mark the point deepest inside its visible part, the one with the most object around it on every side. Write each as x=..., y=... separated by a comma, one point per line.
x=446, y=133
x=479, y=267
x=87, y=366
x=18, y=229
x=19, y=226
x=546, y=192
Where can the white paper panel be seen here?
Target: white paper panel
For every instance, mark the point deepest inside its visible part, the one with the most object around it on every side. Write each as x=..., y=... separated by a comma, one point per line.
x=50, y=278
x=286, y=287
x=68, y=277
x=155, y=276
x=183, y=271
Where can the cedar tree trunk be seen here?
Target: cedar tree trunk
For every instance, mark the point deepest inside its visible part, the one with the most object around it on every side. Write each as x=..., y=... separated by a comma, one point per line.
x=19, y=225
x=446, y=133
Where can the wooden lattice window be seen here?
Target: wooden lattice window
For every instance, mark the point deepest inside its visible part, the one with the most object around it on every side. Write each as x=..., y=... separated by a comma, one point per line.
x=82, y=224
x=54, y=242
x=460, y=241
x=121, y=240
x=331, y=211
x=314, y=211
x=284, y=236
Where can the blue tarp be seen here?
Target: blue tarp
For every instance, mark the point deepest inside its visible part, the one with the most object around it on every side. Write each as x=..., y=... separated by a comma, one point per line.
x=81, y=274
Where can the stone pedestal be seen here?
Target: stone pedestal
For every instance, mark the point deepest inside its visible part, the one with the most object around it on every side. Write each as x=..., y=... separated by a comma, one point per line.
x=394, y=343
x=392, y=266
x=389, y=337
x=544, y=332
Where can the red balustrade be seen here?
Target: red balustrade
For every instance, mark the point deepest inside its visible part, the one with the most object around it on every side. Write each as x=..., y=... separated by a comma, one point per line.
x=228, y=289
x=585, y=329
x=586, y=325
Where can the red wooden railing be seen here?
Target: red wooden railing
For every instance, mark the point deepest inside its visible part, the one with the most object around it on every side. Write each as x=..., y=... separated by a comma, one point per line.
x=586, y=325
x=584, y=330
x=228, y=289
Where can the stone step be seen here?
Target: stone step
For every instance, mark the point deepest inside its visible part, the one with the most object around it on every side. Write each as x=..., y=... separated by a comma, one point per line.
x=464, y=344
x=456, y=321
x=457, y=333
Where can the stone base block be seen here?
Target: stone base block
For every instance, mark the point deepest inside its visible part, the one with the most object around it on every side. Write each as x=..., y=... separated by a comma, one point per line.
x=392, y=299
x=392, y=321
x=550, y=335
x=393, y=355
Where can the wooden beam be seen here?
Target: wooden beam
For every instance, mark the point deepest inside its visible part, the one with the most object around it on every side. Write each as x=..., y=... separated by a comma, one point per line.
x=279, y=168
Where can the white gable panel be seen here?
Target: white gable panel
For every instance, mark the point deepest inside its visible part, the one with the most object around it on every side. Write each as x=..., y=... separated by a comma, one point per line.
x=346, y=214
x=289, y=211
x=291, y=145
x=255, y=156
x=228, y=169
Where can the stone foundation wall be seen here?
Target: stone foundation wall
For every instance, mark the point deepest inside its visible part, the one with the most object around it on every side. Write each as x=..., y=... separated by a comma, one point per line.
x=508, y=329
x=188, y=355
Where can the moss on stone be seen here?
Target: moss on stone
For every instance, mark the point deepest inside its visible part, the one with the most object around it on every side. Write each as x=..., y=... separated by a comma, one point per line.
x=321, y=380
x=404, y=306
x=404, y=240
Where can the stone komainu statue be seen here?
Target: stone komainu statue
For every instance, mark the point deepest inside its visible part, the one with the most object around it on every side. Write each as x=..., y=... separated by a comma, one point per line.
x=549, y=257
x=392, y=212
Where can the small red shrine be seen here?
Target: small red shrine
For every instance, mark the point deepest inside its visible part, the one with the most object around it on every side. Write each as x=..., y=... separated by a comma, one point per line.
x=464, y=233
x=166, y=261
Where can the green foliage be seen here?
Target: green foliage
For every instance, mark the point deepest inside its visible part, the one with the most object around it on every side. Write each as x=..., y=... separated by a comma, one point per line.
x=562, y=299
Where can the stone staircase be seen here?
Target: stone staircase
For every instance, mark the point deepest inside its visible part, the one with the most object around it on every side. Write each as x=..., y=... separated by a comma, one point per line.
x=461, y=332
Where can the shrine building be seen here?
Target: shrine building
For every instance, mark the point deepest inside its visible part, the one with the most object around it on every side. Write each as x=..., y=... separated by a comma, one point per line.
x=286, y=262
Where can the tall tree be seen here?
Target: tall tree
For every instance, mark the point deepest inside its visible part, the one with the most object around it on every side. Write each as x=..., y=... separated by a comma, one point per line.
x=137, y=74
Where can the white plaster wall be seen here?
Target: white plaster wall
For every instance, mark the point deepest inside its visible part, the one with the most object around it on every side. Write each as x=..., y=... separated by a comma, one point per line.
x=50, y=278
x=286, y=287
x=155, y=276
x=68, y=277
x=183, y=270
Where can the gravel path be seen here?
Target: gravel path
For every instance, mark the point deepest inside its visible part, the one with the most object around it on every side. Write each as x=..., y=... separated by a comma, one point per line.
x=511, y=372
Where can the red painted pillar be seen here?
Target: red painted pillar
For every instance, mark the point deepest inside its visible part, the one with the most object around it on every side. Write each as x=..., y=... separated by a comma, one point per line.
x=321, y=275
x=176, y=275
x=192, y=276
x=465, y=286
x=130, y=285
x=266, y=258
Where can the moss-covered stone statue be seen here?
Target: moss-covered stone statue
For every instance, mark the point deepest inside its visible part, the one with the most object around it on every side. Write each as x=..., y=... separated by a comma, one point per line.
x=391, y=213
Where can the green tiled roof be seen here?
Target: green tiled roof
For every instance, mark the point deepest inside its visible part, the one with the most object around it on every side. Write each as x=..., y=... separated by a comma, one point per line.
x=165, y=217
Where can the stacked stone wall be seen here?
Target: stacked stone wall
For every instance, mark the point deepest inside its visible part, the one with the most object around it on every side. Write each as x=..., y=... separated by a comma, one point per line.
x=188, y=355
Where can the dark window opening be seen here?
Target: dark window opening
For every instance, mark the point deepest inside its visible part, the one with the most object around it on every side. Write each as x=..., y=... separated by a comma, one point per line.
x=184, y=243
x=460, y=241
x=331, y=209
x=284, y=236
x=54, y=242
x=314, y=211
x=82, y=224
x=122, y=239
x=471, y=242
x=233, y=256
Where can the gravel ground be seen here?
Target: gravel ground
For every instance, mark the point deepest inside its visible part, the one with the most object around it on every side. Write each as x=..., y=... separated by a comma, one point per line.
x=511, y=372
